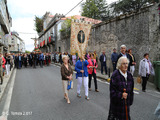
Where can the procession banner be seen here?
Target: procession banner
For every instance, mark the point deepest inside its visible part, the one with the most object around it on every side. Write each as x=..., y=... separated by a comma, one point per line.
x=80, y=33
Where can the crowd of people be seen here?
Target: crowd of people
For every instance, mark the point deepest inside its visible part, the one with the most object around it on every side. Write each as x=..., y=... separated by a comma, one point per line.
x=121, y=84
x=122, y=81
x=33, y=59
x=10, y=60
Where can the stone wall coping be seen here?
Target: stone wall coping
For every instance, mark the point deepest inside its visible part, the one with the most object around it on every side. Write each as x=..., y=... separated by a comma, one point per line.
x=124, y=16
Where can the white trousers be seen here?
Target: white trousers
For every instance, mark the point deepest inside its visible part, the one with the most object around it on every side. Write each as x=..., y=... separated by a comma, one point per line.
x=7, y=68
x=79, y=84
x=132, y=69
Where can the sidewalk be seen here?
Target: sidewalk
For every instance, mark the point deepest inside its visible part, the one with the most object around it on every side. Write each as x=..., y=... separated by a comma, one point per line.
x=5, y=83
x=105, y=78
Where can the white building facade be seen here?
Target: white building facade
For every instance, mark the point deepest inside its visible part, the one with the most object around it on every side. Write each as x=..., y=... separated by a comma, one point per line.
x=5, y=24
x=17, y=44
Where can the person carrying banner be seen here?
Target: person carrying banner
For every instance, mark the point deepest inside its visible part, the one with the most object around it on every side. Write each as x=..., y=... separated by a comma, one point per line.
x=82, y=76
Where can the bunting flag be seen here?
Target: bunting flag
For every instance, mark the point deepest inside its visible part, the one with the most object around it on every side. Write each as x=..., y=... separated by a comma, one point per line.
x=80, y=33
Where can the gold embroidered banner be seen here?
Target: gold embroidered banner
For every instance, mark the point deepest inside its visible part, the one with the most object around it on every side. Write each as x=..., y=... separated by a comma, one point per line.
x=80, y=32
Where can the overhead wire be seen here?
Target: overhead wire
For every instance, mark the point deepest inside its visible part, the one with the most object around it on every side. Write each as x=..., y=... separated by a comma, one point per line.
x=65, y=15
x=74, y=7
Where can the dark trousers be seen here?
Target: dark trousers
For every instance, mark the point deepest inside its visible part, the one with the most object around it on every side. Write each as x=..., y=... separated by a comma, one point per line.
x=47, y=62
x=30, y=63
x=144, y=82
x=20, y=64
x=103, y=64
x=34, y=64
x=25, y=63
x=41, y=63
x=111, y=116
x=17, y=64
x=95, y=80
x=114, y=66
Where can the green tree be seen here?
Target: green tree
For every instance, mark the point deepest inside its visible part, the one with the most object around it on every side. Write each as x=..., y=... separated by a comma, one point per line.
x=96, y=9
x=126, y=6
x=66, y=27
x=89, y=9
x=102, y=7
x=38, y=24
x=27, y=51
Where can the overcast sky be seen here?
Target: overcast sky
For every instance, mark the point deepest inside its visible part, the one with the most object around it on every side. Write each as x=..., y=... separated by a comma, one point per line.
x=23, y=12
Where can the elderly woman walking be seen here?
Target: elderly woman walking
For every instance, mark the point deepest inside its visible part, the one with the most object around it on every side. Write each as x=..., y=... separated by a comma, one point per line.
x=82, y=76
x=145, y=70
x=66, y=73
x=121, y=91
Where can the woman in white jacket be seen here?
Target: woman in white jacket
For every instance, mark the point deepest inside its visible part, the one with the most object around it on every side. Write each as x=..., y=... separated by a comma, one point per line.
x=145, y=70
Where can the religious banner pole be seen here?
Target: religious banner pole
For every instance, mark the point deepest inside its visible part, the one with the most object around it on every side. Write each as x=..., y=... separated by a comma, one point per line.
x=82, y=56
x=80, y=33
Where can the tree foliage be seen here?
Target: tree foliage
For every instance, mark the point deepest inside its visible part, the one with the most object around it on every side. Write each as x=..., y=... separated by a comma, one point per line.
x=89, y=9
x=126, y=6
x=66, y=25
x=96, y=9
x=27, y=51
x=38, y=24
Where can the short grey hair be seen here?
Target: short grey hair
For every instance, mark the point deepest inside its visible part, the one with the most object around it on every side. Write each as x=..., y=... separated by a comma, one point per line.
x=123, y=46
x=119, y=63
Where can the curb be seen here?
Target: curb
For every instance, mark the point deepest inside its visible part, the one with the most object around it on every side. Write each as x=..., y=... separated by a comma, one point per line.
x=5, y=84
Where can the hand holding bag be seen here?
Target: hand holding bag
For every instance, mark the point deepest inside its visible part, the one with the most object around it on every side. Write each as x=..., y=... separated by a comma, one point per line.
x=70, y=85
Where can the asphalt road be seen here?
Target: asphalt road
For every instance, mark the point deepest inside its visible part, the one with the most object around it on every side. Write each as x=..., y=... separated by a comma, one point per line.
x=38, y=95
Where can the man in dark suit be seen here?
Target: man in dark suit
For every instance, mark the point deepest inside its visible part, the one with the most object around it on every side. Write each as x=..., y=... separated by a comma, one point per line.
x=103, y=59
x=114, y=57
x=16, y=61
x=20, y=61
x=34, y=60
x=123, y=53
x=30, y=59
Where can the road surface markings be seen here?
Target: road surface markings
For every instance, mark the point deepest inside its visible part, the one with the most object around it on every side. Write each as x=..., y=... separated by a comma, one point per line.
x=5, y=112
x=154, y=95
x=157, y=92
x=136, y=92
x=109, y=84
x=136, y=89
